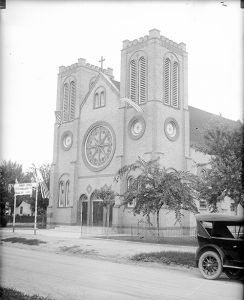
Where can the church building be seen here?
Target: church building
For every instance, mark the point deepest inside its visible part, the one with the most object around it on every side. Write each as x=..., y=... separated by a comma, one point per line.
x=97, y=131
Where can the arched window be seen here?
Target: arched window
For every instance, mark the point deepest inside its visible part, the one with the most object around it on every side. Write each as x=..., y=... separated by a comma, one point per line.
x=72, y=100
x=99, y=97
x=171, y=81
x=64, y=191
x=66, y=102
x=175, y=85
x=67, y=193
x=142, y=80
x=96, y=101
x=61, y=195
x=102, y=99
x=69, y=100
x=167, y=81
x=133, y=80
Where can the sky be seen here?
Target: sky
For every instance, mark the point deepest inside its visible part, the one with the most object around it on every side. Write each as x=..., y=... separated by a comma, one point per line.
x=39, y=36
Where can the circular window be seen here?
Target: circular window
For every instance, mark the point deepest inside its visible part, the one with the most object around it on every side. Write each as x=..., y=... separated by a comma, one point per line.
x=67, y=140
x=98, y=146
x=136, y=128
x=171, y=129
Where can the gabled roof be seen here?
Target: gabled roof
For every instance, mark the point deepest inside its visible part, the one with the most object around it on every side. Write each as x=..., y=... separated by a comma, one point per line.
x=111, y=83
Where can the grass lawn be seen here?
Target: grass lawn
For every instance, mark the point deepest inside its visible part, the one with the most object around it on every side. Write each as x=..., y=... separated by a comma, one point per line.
x=25, y=241
x=11, y=294
x=183, y=241
x=172, y=257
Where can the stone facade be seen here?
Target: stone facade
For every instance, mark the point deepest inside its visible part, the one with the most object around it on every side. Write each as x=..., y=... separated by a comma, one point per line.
x=99, y=133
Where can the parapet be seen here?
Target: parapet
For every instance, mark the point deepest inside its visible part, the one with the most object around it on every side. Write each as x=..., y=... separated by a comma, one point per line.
x=82, y=63
x=154, y=34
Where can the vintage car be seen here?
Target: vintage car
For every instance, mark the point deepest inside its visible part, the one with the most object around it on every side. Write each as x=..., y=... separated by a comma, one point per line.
x=221, y=245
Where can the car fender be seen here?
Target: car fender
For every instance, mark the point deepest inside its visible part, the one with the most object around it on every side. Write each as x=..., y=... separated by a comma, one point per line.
x=209, y=247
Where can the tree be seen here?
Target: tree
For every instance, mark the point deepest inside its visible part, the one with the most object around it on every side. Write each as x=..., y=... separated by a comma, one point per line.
x=152, y=188
x=9, y=173
x=224, y=144
x=108, y=196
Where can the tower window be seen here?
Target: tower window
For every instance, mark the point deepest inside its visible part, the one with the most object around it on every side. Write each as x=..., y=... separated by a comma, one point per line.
x=66, y=102
x=142, y=80
x=167, y=76
x=175, y=83
x=171, y=82
x=133, y=80
x=69, y=100
x=138, y=79
x=72, y=100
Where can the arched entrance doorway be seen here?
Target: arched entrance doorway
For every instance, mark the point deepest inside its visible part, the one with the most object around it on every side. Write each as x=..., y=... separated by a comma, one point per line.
x=97, y=211
x=82, y=210
x=100, y=214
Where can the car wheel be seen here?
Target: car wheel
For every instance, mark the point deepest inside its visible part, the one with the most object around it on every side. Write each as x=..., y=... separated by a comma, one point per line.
x=234, y=273
x=210, y=265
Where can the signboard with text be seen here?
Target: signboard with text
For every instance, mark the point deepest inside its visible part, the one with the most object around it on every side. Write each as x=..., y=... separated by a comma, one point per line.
x=24, y=188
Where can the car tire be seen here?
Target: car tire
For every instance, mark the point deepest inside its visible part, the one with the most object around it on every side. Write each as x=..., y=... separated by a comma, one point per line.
x=234, y=274
x=210, y=265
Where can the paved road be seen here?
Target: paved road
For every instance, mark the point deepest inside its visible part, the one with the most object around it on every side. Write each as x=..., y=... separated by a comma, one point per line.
x=66, y=277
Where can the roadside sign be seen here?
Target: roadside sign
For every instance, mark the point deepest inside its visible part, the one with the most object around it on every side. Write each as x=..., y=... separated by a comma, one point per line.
x=24, y=188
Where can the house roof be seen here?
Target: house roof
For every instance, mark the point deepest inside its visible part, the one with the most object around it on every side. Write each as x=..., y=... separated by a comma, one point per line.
x=199, y=121
x=116, y=83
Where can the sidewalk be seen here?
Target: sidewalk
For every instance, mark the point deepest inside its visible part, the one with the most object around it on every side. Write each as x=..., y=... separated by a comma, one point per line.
x=72, y=243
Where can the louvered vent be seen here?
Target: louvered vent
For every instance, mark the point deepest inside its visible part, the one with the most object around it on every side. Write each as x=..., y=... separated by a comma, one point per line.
x=133, y=80
x=167, y=81
x=142, y=80
x=66, y=102
x=72, y=100
x=175, y=85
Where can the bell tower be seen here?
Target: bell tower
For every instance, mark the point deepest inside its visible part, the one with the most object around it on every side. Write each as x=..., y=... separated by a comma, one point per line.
x=154, y=76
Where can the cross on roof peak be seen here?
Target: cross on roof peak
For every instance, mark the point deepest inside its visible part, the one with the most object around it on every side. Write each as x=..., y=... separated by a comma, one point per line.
x=101, y=61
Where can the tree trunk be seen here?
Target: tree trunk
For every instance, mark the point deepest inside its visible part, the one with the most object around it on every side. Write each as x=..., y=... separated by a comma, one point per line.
x=158, y=224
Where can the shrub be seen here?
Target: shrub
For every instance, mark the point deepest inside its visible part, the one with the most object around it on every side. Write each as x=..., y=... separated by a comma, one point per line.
x=3, y=221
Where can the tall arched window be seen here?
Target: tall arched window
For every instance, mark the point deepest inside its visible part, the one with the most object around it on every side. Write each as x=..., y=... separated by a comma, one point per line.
x=171, y=81
x=66, y=102
x=99, y=97
x=167, y=81
x=61, y=196
x=64, y=191
x=72, y=100
x=133, y=80
x=67, y=193
x=102, y=99
x=175, y=85
x=96, y=101
x=142, y=80
x=69, y=100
